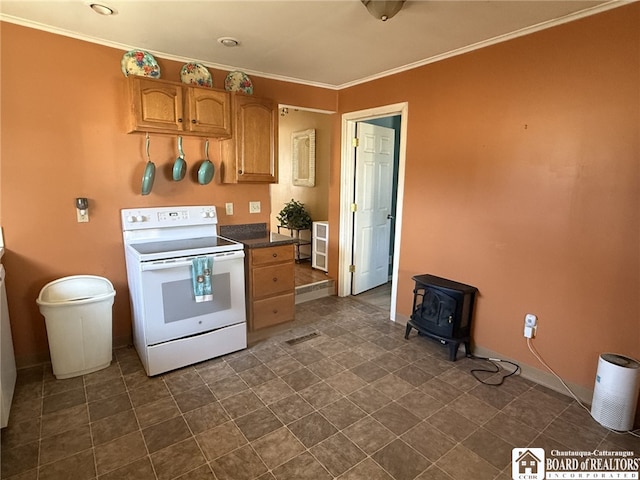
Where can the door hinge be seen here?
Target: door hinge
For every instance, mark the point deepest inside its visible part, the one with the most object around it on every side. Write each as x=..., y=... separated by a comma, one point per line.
x=352, y=269
x=355, y=142
x=354, y=207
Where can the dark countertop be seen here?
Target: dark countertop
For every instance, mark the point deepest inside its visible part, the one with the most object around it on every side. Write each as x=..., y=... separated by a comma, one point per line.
x=254, y=235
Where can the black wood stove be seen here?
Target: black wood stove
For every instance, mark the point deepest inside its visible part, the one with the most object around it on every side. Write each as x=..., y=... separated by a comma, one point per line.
x=442, y=310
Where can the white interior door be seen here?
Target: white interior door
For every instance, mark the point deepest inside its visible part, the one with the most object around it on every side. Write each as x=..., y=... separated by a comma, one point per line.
x=372, y=218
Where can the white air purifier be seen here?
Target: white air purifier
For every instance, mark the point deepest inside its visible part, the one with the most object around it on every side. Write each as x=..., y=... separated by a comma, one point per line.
x=615, y=394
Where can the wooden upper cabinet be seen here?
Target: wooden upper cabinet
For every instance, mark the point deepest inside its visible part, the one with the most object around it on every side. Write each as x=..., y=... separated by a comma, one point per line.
x=250, y=156
x=155, y=105
x=171, y=107
x=209, y=111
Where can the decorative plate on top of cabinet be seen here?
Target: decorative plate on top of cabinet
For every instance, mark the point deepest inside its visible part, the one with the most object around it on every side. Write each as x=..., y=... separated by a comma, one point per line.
x=139, y=62
x=237, y=81
x=196, y=74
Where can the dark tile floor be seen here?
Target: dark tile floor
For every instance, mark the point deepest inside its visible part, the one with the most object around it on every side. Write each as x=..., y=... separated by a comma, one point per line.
x=356, y=401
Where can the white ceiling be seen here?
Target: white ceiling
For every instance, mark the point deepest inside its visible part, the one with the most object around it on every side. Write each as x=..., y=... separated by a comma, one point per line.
x=330, y=43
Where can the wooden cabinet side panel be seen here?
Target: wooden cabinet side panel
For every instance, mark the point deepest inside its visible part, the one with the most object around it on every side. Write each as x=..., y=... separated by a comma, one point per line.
x=228, y=163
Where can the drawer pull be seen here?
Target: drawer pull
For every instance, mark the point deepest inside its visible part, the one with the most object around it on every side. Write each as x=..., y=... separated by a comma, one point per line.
x=275, y=279
x=275, y=310
x=179, y=120
x=275, y=255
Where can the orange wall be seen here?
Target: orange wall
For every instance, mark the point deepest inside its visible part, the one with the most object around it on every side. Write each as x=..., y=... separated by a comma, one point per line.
x=523, y=179
x=63, y=137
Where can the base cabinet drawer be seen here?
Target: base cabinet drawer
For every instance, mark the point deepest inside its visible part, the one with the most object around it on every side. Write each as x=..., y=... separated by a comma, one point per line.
x=273, y=311
x=273, y=280
x=271, y=255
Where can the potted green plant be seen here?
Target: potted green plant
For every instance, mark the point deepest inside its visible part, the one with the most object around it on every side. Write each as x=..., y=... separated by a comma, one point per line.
x=294, y=216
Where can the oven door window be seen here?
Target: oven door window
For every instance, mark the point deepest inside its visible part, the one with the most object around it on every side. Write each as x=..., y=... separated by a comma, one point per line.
x=176, y=309
x=170, y=308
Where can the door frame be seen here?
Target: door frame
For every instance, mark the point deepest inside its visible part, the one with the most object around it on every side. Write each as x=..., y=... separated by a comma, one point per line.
x=347, y=190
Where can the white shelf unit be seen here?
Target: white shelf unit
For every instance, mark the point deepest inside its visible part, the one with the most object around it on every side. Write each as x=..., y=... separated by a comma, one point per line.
x=320, y=250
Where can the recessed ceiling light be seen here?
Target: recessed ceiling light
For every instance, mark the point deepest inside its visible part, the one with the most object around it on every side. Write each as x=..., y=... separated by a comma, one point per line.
x=229, y=41
x=102, y=9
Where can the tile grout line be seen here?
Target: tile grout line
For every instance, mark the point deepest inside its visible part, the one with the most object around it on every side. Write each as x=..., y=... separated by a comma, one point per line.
x=144, y=441
x=93, y=447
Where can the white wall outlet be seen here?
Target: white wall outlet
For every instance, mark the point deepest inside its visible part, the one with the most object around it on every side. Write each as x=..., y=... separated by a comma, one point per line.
x=82, y=217
x=530, y=325
x=530, y=320
x=254, y=207
x=229, y=208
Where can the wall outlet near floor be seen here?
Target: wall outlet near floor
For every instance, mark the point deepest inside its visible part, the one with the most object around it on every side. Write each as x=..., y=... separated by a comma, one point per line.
x=228, y=208
x=254, y=207
x=530, y=325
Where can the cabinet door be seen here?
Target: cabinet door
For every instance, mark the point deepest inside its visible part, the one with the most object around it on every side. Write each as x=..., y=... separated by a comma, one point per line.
x=251, y=155
x=209, y=112
x=156, y=106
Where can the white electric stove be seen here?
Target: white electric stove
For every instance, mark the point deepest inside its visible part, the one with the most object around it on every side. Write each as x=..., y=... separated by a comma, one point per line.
x=172, y=328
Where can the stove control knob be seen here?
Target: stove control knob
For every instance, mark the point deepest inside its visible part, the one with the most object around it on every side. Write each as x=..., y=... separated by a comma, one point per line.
x=140, y=218
x=212, y=214
x=204, y=214
x=131, y=219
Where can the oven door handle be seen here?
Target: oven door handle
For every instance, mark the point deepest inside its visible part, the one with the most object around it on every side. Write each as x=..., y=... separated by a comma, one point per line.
x=186, y=262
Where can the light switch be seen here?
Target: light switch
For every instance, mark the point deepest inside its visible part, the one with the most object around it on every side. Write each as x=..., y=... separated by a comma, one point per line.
x=254, y=207
x=229, y=208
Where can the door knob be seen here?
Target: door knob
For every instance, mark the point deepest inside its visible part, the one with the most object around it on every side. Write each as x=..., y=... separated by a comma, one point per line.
x=390, y=217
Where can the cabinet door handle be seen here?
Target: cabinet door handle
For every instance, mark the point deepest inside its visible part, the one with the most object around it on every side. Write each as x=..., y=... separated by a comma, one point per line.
x=239, y=172
x=179, y=120
x=275, y=310
x=193, y=121
x=275, y=279
x=275, y=255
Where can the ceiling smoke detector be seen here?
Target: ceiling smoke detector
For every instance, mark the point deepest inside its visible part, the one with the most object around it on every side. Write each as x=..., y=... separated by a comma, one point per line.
x=383, y=9
x=229, y=41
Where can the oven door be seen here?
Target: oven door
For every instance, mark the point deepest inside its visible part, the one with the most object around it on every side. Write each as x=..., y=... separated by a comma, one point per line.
x=169, y=306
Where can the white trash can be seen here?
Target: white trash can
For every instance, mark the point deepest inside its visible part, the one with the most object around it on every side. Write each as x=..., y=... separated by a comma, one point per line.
x=77, y=312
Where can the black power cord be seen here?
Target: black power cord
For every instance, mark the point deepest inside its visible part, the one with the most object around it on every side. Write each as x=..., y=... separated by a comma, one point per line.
x=494, y=362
